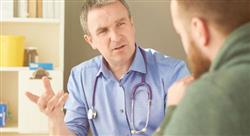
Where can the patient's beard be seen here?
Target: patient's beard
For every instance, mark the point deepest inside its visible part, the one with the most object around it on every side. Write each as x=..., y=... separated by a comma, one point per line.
x=198, y=63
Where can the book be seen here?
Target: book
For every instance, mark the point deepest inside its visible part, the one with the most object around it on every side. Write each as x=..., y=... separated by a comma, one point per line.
x=6, y=9
x=39, y=8
x=15, y=4
x=57, y=10
x=22, y=7
x=48, y=8
x=32, y=8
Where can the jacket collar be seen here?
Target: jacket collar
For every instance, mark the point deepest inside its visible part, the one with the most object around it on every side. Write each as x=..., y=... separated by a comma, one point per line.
x=235, y=46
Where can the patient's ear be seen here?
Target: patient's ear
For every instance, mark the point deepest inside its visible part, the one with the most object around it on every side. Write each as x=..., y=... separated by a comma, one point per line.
x=89, y=40
x=200, y=31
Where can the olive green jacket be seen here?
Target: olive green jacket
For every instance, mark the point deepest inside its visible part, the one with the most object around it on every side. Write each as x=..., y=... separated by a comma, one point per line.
x=218, y=103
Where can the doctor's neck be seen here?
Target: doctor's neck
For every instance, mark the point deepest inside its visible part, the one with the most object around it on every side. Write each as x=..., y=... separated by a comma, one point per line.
x=121, y=68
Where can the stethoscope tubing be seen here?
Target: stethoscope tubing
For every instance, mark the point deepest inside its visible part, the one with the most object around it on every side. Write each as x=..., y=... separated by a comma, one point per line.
x=92, y=112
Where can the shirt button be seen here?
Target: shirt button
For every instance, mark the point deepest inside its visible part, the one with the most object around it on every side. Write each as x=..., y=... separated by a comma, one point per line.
x=121, y=110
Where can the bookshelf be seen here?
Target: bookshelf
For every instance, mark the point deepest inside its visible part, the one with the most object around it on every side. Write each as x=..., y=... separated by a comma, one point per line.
x=10, y=128
x=17, y=69
x=14, y=69
x=31, y=20
x=47, y=35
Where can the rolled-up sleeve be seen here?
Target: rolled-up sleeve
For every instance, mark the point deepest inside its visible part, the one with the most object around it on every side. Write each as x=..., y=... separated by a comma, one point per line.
x=76, y=115
x=178, y=71
x=181, y=70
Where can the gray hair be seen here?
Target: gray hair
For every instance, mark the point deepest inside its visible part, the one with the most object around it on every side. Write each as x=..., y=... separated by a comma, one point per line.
x=90, y=4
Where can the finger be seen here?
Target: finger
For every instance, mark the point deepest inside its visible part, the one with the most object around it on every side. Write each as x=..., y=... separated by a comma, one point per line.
x=51, y=104
x=32, y=97
x=186, y=78
x=62, y=101
x=47, y=97
x=189, y=79
x=42, y=104
x=47, y=86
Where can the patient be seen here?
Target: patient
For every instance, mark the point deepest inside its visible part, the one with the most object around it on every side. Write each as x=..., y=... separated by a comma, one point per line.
x=216, y=39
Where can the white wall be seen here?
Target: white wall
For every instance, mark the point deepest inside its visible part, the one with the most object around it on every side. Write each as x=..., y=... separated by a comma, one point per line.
x=154, y=27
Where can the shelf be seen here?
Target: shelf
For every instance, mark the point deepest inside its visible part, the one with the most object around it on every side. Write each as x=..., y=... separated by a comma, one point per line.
x=30, y=20
x=9, y=128
x=47, y=35
x=17, y=69
x=13, y=69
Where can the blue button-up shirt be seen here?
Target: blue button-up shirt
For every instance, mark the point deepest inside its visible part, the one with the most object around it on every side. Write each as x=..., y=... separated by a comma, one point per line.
x=113, y=97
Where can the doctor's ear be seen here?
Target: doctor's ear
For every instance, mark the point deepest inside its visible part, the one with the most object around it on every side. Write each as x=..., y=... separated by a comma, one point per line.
x=131, y=20
x=89, y=40
x=132, y=23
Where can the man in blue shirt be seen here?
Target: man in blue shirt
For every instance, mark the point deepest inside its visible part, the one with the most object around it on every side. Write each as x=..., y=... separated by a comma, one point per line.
x=121, y=92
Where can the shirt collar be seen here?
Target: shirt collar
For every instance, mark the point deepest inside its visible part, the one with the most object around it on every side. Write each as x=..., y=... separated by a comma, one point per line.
x=103, y=68
x=137, y=65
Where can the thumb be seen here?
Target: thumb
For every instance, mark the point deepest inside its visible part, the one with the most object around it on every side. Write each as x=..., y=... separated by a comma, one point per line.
x=32, y=97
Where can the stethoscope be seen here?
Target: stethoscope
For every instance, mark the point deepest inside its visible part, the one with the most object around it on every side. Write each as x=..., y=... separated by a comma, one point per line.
x=92, y=113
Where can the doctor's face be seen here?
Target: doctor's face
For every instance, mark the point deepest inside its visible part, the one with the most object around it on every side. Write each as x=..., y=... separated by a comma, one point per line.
x=197, y=61
x=111, y=32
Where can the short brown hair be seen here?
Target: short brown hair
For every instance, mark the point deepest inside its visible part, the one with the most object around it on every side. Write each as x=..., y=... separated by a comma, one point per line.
x=226, y=15
x=90, y=4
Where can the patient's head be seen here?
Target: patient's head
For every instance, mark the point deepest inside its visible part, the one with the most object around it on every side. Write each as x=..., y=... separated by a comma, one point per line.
x=203, y=26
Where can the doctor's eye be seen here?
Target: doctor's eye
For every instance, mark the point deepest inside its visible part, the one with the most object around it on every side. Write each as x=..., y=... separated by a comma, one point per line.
x=102, y=31
x=120, y=24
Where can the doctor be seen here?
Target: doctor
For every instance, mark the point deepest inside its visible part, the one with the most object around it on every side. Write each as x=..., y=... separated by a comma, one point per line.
x=121, y=92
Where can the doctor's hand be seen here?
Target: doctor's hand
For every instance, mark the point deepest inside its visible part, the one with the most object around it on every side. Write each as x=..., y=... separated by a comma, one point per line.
x=177, y=91
x=49, y=103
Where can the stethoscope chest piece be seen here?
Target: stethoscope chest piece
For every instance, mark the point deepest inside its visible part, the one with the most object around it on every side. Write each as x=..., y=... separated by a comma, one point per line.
x=92, y=113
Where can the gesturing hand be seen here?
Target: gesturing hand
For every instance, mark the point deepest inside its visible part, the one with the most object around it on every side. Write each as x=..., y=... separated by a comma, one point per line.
x=50, y=103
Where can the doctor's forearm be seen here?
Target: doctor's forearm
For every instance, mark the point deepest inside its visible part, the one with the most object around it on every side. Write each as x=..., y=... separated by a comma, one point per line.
x=59, y=129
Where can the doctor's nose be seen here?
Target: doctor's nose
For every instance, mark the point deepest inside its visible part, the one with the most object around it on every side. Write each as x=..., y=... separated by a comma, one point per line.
x=115, y=36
